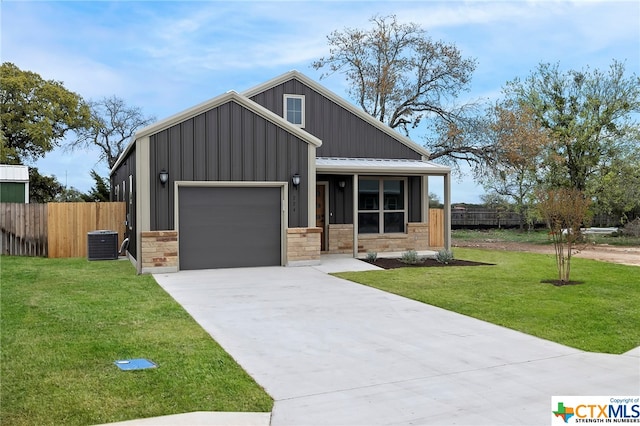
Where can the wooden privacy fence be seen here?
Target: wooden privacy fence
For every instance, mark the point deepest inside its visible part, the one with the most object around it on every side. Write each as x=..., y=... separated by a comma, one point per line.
x=436, y=228
x=61, y=227
x=24, y=229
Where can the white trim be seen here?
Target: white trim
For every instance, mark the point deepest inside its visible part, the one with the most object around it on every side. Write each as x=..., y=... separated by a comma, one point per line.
x=356, y=189
x=338, y=100
x=447, y=211
x=285, y=110
x=424, y=187
x=311, y=189
x=143, y=195
x=284, y=213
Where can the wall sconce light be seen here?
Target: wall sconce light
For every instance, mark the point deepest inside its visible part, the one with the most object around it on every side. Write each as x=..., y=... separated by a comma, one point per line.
x=342, y=184
x=295, y=179
x=163, y=176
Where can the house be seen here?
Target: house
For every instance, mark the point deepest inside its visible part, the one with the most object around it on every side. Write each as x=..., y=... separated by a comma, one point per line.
x=14, y=184
x=275, y=175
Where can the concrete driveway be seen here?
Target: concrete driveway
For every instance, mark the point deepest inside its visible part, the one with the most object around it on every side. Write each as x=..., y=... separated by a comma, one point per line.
x=331, y=352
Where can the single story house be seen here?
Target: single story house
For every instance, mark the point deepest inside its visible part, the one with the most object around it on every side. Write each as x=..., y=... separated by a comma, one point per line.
x=275, y=175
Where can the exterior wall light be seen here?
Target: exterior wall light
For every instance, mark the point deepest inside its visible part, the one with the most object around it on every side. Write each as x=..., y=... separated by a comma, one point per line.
x=163, y=176
x=295, y=179
x=342, y=184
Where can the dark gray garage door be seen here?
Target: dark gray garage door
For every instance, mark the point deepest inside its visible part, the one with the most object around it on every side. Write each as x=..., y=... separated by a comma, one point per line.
x=229, y=227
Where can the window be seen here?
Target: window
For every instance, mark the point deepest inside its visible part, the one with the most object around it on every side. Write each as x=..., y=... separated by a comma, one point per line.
x=294, y=109
x=381, y=206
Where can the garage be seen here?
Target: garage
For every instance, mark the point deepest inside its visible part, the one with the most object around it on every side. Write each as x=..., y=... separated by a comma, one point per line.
x=229, y=226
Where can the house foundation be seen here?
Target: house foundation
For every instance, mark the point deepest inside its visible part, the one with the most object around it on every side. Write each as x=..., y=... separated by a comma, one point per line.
x=416, y=238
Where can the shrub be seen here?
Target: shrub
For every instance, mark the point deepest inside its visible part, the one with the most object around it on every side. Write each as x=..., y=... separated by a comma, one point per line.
x=632, y=228
x=372, y=256
x=444, y=256
x=410, y=257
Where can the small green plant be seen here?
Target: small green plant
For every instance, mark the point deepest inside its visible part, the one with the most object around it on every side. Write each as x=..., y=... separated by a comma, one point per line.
x=444, y=256
x=410, y=257
x=372, y=256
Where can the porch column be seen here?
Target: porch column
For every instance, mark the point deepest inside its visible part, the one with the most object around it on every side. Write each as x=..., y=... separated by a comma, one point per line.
x=447, y=211
x=425, y=200
x=355, y=215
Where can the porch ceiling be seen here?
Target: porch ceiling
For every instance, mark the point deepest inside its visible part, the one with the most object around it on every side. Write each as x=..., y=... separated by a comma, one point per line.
x=379, y=166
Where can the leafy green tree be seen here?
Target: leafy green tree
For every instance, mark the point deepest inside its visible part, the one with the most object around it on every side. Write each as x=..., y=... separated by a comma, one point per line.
x=400, y=76
x=434, y=201
x=100, y=191
x=616, y=188
x=35, y=114
x=43, y=189
x=70, y=195
x=112, y=124
x=588, y=114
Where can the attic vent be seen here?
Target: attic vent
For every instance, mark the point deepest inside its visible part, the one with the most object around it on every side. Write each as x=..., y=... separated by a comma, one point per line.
x=102, y=245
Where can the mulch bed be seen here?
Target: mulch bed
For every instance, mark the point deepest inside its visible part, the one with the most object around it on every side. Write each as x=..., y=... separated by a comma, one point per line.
x=424, y=263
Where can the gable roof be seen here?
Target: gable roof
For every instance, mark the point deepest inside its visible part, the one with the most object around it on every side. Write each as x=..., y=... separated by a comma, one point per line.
x=338, y=100
x=231, y=96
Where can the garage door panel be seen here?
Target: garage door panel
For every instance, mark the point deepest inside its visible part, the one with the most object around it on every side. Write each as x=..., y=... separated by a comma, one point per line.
x=223, y=227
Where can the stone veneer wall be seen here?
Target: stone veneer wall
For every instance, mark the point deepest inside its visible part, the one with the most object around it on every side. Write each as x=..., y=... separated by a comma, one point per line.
x=416, y=238
x=303, y=246
x=159, y=251
x=340, y=238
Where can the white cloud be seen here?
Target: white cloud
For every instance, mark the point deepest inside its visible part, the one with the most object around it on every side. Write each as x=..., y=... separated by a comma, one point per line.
x=168, y=56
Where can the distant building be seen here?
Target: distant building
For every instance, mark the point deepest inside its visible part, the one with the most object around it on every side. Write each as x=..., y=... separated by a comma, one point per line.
x=14, y=184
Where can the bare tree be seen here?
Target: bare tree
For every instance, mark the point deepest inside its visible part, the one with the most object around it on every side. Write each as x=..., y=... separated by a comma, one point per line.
x=113, y=123
x=400, y=76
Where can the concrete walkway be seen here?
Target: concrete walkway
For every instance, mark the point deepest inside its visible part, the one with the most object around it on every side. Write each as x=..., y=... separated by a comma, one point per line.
x=331, y=352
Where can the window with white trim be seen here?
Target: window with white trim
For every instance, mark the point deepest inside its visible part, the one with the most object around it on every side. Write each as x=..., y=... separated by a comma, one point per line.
x=381, y=205
x=294, y=109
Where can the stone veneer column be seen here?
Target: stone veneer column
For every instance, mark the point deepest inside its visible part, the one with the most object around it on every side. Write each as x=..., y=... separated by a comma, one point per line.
x=159, y=251
x=303, y=246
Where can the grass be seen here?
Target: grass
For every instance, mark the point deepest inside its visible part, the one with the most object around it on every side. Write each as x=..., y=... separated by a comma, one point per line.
x=538, y=236
x=64, y=323
x=599, y=315
x=511, y=235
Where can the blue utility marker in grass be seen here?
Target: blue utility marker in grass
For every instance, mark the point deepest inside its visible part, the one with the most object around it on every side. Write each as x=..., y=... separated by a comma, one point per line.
x=134, y=364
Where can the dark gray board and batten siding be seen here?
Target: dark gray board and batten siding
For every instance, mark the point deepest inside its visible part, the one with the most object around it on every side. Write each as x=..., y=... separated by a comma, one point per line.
x=125, y=169
x=343, y=134
x=226, y=143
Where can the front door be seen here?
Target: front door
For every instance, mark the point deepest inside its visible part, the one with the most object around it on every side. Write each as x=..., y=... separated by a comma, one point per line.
x=321, y=189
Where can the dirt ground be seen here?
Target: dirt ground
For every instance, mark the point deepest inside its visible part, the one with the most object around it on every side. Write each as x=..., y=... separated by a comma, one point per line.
x=603, y=252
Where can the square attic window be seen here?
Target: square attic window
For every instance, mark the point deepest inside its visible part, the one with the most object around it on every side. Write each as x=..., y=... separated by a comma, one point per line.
x=294, y=109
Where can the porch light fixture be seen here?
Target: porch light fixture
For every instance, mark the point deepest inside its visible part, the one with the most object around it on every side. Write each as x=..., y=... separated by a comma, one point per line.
x=163, y=176
x=295, y=179
x=342, y=184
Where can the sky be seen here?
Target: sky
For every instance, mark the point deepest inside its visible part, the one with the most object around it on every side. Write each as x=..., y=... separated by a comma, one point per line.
x=165, y=56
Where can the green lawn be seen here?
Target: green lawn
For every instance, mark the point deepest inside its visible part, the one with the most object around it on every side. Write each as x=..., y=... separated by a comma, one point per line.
x=65, y=321
x=538, y=236
x=600, y=315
